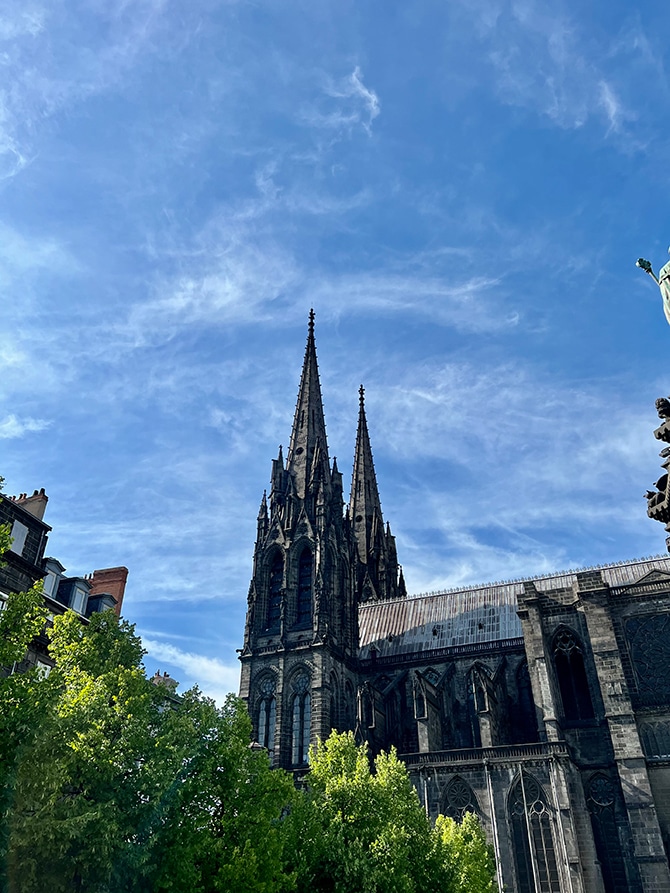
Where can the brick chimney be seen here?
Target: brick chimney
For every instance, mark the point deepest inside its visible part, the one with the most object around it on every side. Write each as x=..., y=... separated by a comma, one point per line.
x=35, y=504
x=110, y=580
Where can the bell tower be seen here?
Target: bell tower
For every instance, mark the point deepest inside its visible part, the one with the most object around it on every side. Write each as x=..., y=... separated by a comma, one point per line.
x=301, y=632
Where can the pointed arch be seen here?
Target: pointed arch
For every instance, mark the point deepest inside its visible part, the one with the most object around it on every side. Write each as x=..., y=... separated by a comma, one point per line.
x=267, y=713
x=304, y=589
x=601, y=800
x=349, y=706
x=478, y=688
x=334, y=702
x=532, y=837
x=301, y=717
x=275, y=590
x=458, y=798
x=573, y=682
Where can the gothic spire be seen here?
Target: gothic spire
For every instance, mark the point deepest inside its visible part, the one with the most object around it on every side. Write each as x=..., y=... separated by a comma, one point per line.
x=308, y=437
x=366, y=510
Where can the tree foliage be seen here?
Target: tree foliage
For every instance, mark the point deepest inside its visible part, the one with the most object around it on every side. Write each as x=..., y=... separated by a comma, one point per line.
x=126, y=788
x=111, y=783
x=360, y=828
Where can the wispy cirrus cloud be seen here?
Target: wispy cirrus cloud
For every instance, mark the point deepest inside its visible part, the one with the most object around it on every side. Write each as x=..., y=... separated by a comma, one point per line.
x=345, y=103
x=544, y=60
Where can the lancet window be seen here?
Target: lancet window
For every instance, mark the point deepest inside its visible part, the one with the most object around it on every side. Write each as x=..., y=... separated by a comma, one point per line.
x=600, y=799
x=532, y=838
x=304, y=600
x=275, y=591
x=301, y=713
x=267, y=715
x=572, y=679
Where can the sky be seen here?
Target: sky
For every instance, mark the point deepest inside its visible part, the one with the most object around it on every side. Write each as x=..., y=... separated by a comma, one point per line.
x=459, y=188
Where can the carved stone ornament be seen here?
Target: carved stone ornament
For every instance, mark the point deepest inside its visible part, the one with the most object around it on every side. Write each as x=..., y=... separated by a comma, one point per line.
x=649, y=641
x=663, y=407
x=600, y=793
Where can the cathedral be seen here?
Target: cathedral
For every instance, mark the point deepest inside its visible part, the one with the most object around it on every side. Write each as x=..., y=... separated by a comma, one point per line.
x=541, y=705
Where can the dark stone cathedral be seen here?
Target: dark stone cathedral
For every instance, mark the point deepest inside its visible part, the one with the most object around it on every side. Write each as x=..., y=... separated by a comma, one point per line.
x=541, y=705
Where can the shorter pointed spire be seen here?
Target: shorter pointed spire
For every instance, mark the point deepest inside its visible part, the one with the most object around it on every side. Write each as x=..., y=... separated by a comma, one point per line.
x=263, y=510
x=366, y=510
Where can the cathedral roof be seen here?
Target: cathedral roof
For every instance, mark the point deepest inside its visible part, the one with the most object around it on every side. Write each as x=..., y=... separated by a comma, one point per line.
x=471, y=616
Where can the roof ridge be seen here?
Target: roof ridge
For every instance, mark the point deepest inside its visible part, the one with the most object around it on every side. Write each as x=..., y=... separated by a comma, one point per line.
x=478, y=587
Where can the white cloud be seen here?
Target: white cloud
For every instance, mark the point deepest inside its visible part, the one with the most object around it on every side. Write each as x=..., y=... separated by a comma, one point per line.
x=346, y=103
x=12, y=426
x=352, y=87
x=612, y=105
x=212, y=676
x=543, y=60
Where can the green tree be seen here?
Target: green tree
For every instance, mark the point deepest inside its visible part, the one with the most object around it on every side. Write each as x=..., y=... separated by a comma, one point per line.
x=126, y=788
x=224, y=826
x=24, y=697
x=362, y=829
x=463, y=848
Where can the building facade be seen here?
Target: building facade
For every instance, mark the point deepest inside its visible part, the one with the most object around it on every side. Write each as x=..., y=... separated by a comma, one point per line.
x=541, y=705
x=26, y=563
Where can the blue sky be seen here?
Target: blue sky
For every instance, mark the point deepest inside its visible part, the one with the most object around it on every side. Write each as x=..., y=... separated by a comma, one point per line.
x=459, y=188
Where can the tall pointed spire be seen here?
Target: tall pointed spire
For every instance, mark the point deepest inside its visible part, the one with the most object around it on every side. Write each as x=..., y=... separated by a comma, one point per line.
x=308, y=437
x=366, y=510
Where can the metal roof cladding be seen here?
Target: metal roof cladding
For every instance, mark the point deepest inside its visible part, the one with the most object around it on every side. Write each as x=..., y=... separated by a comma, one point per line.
x=471, y=616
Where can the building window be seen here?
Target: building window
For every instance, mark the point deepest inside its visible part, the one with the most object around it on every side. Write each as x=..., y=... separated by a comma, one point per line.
x=459, y=799
x=572, y=680
x=78, y=600
x=349, y=704
x=49, y=583
x=18, y=534
x=275, y=592
x=304, y=603
x=600, y=799
x=534, y=855
x=301, y=714
x=419, y=701
x=267, y=715
x=477, y=701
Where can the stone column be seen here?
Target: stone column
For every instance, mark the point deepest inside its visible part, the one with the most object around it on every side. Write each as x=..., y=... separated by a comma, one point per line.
x=646, y=843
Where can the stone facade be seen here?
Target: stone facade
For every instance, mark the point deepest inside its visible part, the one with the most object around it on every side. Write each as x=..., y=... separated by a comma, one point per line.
x=542, y=705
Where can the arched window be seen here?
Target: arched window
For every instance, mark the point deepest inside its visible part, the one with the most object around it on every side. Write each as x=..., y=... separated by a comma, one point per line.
x=301, y=713
x=334, y=703
x=478, y=702
x=267, y=714
x=419, y=701
x=459, y=798
x=304, y=601
x=349, y=706
x=572, y=679
x=275, y=592
x=534, y=855
x=600, y=799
